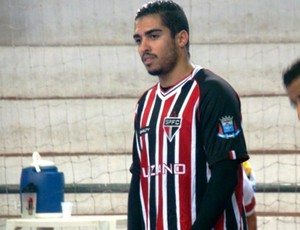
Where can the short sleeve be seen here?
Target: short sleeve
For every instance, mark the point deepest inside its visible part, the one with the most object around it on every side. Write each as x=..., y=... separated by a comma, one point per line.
x=221, y=121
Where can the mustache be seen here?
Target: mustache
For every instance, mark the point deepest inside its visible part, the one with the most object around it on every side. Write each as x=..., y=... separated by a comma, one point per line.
x=147, y=55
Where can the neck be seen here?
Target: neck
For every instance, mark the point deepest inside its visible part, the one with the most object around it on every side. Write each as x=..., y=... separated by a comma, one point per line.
x=176, y=75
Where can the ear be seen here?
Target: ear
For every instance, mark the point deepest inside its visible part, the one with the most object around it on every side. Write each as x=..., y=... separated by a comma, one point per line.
x=182, y=38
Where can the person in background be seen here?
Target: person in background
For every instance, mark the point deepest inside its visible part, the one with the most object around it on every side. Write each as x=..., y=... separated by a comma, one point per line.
x=249, y=173
x=188, y=144
x=291, y=81
x=249, y=196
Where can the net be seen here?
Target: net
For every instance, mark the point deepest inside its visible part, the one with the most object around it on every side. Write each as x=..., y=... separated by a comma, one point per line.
x=70, y=77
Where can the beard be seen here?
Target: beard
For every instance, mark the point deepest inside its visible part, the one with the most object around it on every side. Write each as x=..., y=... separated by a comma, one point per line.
x=167, y=64
x=156, y=72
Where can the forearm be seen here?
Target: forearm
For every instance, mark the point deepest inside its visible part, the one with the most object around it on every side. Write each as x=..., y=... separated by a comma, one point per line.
x=134, y=210
x=251, y=220
x=220, y=188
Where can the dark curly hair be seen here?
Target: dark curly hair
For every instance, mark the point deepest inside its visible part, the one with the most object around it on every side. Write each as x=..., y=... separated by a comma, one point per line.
x=291, y=73
x=172, y=15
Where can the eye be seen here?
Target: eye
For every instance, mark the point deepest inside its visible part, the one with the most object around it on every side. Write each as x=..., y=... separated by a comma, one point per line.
x=137, y=41
x=154, y=36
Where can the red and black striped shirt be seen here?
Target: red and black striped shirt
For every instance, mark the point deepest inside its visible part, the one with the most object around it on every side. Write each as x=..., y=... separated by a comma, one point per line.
x=179, y=133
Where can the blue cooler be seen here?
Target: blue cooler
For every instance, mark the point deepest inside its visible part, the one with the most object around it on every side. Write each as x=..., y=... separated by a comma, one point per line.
x=49, y=184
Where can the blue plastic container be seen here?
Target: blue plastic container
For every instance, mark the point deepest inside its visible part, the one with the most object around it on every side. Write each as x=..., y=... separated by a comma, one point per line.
x=50, y=187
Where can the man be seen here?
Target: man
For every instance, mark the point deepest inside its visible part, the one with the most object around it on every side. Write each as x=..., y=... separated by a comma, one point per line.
x=188, y=141
x=291, y=80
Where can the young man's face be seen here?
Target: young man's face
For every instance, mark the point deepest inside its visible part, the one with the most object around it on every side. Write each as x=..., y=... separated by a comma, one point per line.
x=156, y=47
x=293, y=91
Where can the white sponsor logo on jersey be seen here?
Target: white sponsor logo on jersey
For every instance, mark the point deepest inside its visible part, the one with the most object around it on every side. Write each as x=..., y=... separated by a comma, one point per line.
x=154, y=170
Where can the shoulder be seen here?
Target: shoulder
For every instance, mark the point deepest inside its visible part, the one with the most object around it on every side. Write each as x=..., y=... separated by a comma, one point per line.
x=207, y=78
x=146, y=94
x=214, y=85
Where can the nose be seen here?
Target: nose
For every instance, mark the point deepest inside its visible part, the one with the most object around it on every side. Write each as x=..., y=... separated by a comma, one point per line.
x=144, y=46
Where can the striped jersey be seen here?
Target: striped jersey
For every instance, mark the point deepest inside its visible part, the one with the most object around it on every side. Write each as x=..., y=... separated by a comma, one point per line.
x=179, y=133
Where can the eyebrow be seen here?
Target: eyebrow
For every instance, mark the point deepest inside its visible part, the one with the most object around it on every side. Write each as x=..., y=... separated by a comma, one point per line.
x=148, y=32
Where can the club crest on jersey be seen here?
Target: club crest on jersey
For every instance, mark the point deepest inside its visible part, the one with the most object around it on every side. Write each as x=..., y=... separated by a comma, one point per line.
x=227, y=128
x=171, y=126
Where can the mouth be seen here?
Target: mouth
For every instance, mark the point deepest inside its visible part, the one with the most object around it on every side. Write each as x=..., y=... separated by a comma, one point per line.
x=148, y=59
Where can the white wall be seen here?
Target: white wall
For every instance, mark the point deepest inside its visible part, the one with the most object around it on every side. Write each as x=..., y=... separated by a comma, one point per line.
x=70, y=77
